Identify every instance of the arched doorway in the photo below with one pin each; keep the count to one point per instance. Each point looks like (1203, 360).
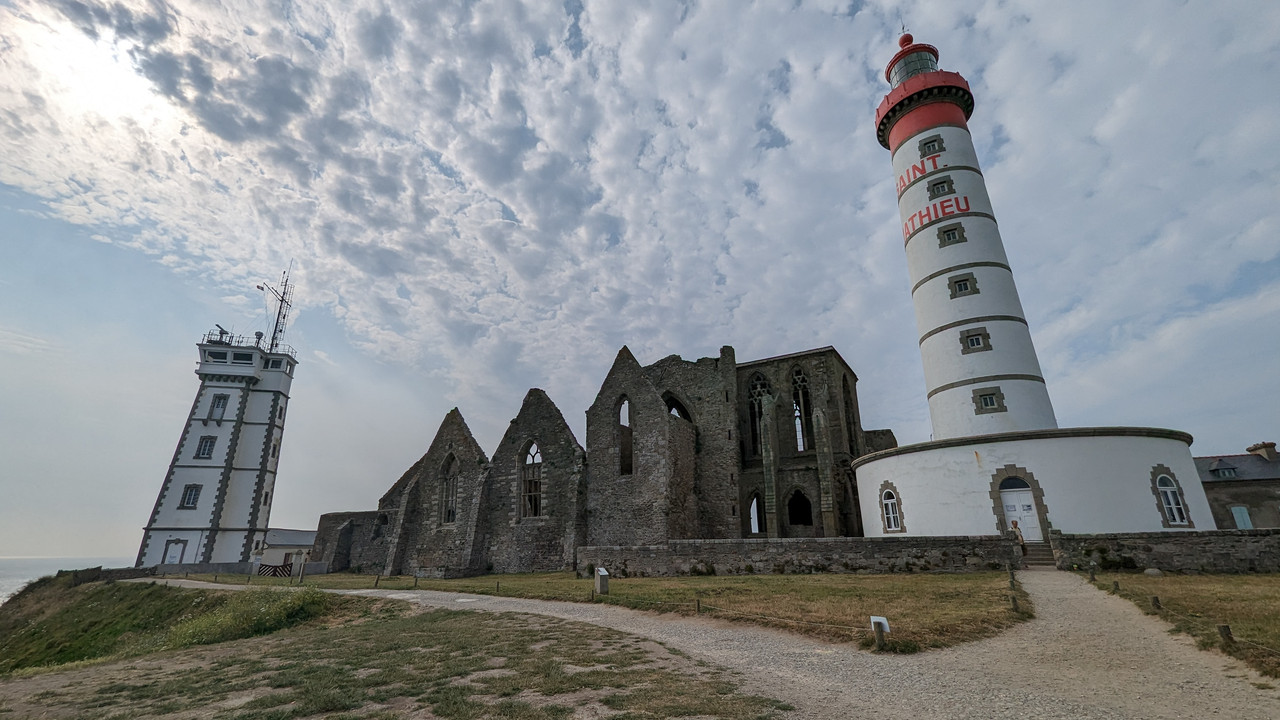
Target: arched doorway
(1019, 504)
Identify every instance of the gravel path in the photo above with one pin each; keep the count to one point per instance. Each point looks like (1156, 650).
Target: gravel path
(1086, 655)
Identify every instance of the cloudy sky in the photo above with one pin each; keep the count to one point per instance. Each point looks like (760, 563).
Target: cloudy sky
(481, 197)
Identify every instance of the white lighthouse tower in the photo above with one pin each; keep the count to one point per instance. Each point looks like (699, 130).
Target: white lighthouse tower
(215, 501)
(979, 364)
(997, 453)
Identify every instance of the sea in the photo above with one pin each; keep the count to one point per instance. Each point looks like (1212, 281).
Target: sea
(16, 572)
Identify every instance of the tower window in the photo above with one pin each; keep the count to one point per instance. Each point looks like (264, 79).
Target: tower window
(1171, 498)
(218, 408)
(988, 400)
(190, 496)
(531, 482)
(204, 449)
(931, 145)
(962, 285)
(952, 234)
(275, 364)
(216, 356)
(941, 186)
(974, 340)
(241, 358)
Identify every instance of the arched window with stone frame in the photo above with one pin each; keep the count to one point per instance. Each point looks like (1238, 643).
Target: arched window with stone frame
(799, 509)
(531, 505)
(759, 524)
(757, 390)
(892, 519)
(1170, 500)
(449, 490)
(801, 410)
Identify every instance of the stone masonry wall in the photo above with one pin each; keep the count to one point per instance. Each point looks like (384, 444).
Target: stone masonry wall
(1209, 551)
(510, 541)
(352, 540)
(801, 555)
(627, 509)
(707, 389)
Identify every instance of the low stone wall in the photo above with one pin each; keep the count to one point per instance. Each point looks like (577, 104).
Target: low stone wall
(99, 574)
(1209, 551)
(223, 568)
(800, 555)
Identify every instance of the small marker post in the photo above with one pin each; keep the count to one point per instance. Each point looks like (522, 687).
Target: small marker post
(1155, 602)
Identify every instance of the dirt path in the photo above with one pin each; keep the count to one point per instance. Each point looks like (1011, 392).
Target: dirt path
(1086, 655)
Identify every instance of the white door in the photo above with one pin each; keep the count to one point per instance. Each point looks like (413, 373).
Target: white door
(1020, 506)
(173, 552)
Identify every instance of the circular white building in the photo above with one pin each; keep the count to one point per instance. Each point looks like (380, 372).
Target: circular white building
(998, 454)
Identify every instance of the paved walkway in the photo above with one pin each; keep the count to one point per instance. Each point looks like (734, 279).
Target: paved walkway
(1086, 655)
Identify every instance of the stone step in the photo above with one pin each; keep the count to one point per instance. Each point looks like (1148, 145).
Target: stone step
(1038, 554)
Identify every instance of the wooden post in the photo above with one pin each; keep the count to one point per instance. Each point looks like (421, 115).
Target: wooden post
(1225, 632)
(697, 605)
(1013, 585)
(1092, 577)
(302, 572)
(1155, 602)
(879, 636)
(215, 577)
(1115, 587)
(248, 579)
(415, 582)
(593, 594)
(377, 578)
(1013, 599)
(497, 586)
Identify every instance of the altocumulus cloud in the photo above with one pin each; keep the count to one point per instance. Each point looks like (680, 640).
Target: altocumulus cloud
(506, 192)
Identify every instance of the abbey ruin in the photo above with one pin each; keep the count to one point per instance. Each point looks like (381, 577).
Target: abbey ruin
(675, 450)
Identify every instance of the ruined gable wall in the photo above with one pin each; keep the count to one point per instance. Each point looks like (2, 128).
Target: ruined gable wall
(627, 509)
(354, 541)
(512, 543)
(433, 546)
(707, 388)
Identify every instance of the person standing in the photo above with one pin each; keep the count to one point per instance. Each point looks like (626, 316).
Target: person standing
(1017, 533)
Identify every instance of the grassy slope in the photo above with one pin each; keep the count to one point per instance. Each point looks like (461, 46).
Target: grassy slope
(1197, 604)
(53, 621)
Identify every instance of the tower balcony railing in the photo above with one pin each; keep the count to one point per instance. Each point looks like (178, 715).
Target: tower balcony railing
(222, 337)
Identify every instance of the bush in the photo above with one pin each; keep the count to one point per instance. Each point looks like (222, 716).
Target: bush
(249, 613)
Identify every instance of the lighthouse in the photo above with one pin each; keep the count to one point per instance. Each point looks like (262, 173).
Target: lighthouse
(215, 501)
(980, 367)
(997, 454)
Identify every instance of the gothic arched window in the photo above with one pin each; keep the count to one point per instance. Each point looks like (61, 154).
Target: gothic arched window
(799, 509)
(449, 490)
(531, 483)
(758, 524)
(625, 447)
(801, 410)
(1172, 500)
(756, 393)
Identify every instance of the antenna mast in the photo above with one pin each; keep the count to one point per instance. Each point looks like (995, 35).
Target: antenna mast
(284, 301)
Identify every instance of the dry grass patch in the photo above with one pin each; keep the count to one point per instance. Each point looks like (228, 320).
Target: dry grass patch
(925, 610)
(1197, 604)
(438, 664)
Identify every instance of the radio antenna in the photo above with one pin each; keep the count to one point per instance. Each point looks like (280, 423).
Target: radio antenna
(284, 301)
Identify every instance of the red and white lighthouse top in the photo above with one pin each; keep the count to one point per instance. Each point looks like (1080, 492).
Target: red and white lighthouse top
(913, 72)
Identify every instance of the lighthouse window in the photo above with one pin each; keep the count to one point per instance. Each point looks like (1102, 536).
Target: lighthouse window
(974, 340)
(941, 186)
(952, 234)
(216, 356)
(1169, 499)
(961, 285)
(891, 515)
(931, 145)
(190, 496)
(988, 400)
(204, 449)
(219, 407)
(241, 358)
(275, 364)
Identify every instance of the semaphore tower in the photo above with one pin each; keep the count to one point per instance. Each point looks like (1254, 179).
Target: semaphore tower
(215, 501)
(980, 367)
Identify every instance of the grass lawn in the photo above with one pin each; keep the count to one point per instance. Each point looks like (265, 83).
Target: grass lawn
(391, 664)
(925, 610)
(1197, 604)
